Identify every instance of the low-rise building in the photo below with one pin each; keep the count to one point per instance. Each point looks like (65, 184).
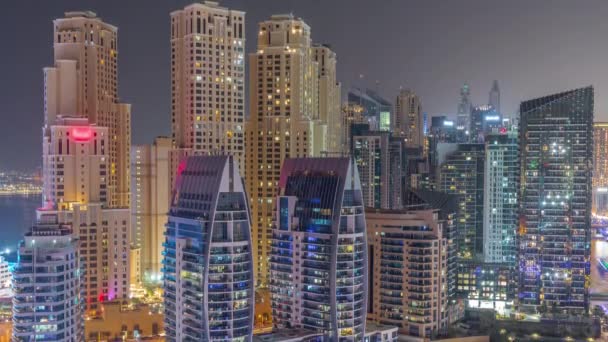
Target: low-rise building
(118, 321)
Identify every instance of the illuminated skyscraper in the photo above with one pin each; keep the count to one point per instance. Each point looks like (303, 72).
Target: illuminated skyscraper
(556, 146)
(380, 160)
(84, 83)
(494, 97)
(408, 121)
(207, 79)
(600, 154)
(500, 218)
(150, 180)
(318, 264)
(284, 121)
(48, 305)
(376, 110)
(208, 271)
(462, 174)
(86, 141)
(463, 115)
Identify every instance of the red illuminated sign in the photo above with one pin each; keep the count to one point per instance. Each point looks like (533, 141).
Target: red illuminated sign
(81, 133)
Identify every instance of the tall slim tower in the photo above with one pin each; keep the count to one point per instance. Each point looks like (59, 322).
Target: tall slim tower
(463, 115)
(408, 122)
(556, 144)
(600, 154)
(284, 119)
(84, 83)
(494, 97)
(329, 96)
(501, 186)
(319, 271)
(150, 168)
(207, 79)
(208, 272)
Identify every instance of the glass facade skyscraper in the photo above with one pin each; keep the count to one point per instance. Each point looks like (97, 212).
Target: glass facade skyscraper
(556, 144)
(318, 263)
(207, 266)
(500, 211)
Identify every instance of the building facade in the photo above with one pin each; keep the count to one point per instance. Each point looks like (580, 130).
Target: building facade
(501, 188)
(284, 120)
(494, 97)
(380, 160)
(376, 110)
(47, 302)
(84, 83)
(408, 120)
(208, 79)
(484, 120)
(600, 155)
(207, 266)
(151, 189)
(462, 174)
(408, 259)
(318, 264)
(556, 145)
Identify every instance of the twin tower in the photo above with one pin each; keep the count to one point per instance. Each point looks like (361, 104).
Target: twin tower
(318, 261)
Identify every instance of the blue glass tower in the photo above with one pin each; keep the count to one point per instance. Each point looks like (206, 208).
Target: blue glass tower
(318, 264)
(207, 267)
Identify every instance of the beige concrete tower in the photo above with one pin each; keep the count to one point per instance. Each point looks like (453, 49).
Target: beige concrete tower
(329, 96)
(207, 79)
(150, 202)
(86, 142)
(283, 121)
(84, 83)
(408, 121)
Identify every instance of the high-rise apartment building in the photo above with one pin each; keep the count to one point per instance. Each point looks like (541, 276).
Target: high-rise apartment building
(556, 146)
(494, 97)
(408, 262)
(380, 160)
(208, 271)
(461, 174)
(501, 188)
(600, 155)
(408, 119)
(208, 79)
(48, 305)
(329, 96)
(284, 120)
(463, 114)
(318, 264)
(84, 83)
(151, 192)
(86, 142)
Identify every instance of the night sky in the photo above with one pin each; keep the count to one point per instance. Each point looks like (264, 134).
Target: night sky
(533, 48)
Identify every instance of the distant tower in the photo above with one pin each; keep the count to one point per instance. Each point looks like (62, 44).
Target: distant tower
(208, 271)
(463, 116)
(408, 121)
(494, 99)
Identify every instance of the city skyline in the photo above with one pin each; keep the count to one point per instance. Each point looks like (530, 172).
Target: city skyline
(477, 60)
(288, 205)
